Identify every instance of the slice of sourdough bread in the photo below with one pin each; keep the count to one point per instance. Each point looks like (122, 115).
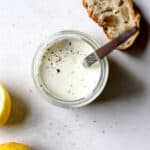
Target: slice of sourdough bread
(115, 16)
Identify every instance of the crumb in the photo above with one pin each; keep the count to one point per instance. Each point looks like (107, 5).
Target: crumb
(73, 144)
(77, 116)
(51, 124)
(65, 126)
(94, 121)
(13, 25)
(58, 133)
(103, 131)
(79, 125)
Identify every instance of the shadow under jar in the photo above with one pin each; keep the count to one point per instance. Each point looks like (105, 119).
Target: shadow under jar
(59, 74)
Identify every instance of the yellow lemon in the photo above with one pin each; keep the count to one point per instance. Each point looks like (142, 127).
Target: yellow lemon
(13, 146)
(5, 105)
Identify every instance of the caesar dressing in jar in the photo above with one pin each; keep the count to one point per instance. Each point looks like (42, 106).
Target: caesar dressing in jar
(59, 74)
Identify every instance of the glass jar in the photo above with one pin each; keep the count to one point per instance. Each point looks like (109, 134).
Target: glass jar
(64, 102)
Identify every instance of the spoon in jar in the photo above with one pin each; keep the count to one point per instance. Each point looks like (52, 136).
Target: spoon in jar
(108, 48)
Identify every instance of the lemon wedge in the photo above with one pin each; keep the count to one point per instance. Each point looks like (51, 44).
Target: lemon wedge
(13, 146)
(5, 105)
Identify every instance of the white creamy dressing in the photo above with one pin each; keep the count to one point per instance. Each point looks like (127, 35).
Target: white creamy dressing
(62, 72)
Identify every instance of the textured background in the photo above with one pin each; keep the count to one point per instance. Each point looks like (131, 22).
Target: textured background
(118, 120)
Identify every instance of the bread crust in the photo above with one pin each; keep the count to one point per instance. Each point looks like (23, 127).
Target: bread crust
(135, 14)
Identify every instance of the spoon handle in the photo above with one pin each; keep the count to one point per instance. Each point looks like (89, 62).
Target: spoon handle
(109, 47)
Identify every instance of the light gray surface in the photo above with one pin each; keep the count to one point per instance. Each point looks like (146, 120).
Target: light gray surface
(120, 121)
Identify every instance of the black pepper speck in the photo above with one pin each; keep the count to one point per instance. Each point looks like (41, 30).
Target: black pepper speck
(58, 70)
(47, 67)
(70, 43)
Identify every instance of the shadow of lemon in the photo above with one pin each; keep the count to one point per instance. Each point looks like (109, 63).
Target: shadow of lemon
(19, 111)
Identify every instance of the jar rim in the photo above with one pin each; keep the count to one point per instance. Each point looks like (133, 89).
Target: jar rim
(102, 79)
